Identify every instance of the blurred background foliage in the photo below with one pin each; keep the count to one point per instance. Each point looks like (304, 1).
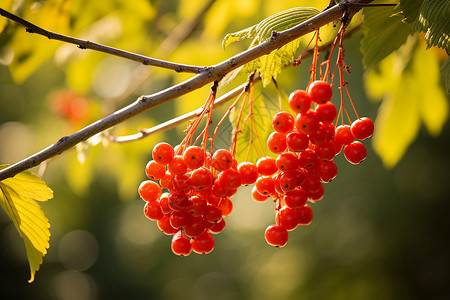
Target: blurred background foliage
(379, 233)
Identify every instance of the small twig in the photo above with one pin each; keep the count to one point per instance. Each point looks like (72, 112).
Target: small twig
(84, 44)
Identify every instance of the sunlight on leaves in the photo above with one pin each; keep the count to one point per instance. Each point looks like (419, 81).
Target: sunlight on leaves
(411, 94)
(17, 198)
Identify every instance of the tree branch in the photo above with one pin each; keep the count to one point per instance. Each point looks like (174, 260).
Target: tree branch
(208, 75)
(84, 44)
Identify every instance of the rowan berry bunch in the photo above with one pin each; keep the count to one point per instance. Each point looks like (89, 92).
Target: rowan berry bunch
(306, 145)
(199, 186)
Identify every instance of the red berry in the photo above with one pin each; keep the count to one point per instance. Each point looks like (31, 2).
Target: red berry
(343, 136)
(177, 165)
(283, 122)
(297, 141)
(287, 181)
(312, 184)
(212, 214)
(248, 172)
(180, 183)
(178, 201)
(307, 122)
(276, 142)
(319, 135)
(165, 227)
(181, 245)
(196, 228)
(229, 179)
(362, 128)
(355, 153)
(326, 150)
(287, 217)
(287, 161)
(316, 195)
(165, 181)
(257, 196)
(221, 160)
(266, 166)
(226, 206)
(265, 185)
(152, 210)
(149, 190)
(296, 198)
(163, 153)
(217, 227)
(326, 112)
(299, 101)
(198, 205)
(276, 235)
(203, 244)
(180, 219)
(164, 203)
(327, 170)
(320, 91)
(194, 157)
(201, 178)
(308, 159)
(155, 171)
(305, 215)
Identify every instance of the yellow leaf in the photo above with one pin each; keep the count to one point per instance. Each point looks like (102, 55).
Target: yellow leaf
(17, 198)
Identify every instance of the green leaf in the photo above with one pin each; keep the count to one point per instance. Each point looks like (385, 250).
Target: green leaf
(411, 95)
(270, 65)
(383, 33)
(17, 198)
(431, 17)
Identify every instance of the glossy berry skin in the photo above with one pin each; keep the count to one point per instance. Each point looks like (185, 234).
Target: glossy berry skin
(194, 157)
(203, 244)
(266, 166)
(296, 198)
(305, 215)
(283, 122)
(276, 142)
(181, 245)
(212, 214)
(299, 101)
(276, 235)
(230, 179)
(196, 228)
(297, 141)
(355, 153)
(287, 162)
(177, 165)
(307, 122)
(327, 170)
(163, 153)
(362, 128)
(265, 185)
(149, 190)
(287, 217)
(287, 181)
(155, 171)
(320, 91)
(226, 206)
(165, 227)
(343, 136)
(152, 210)
(217, 227)
(197, 205)
(249, 173)
(201, 178)
(180, 219)
(326, 112)
(257, 196)
(221, 160)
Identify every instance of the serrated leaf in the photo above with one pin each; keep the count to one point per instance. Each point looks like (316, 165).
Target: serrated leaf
(17, 198)
(431, 17)
(270, 65)
(410, 95)
(383, 33)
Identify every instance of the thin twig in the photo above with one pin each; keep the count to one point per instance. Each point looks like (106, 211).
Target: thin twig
(144, 103)
(84, 44)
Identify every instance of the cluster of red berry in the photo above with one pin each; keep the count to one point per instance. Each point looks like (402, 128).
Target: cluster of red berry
(199, 189)
(305, 145)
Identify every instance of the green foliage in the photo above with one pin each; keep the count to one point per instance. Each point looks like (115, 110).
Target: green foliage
(408, 81)
(17, 197)
(431, 17)
(383, 33)
(270, 65)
